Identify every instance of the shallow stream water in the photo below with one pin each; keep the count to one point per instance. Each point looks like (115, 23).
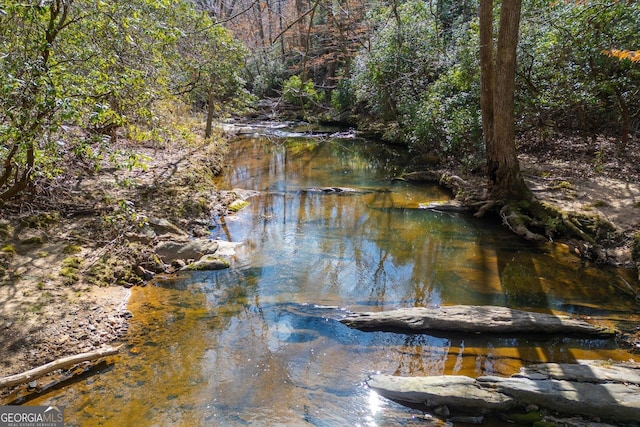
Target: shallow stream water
(260, 344)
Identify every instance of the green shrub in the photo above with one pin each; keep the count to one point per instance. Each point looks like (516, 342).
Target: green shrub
(425, 78)
(342, 96)
(565, 81)
(302, 94)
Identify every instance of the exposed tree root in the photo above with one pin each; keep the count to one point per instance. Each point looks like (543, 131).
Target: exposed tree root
(518, 223)
(484, 207)
(588, 236)
(568, 222)
(532, 219)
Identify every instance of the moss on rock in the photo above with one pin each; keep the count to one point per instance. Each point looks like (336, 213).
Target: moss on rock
(9, 250)
(71, 249)
(41, 220)
(237, 205)
(209, 262)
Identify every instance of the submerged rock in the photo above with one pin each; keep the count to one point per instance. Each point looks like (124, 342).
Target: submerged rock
(336, 190)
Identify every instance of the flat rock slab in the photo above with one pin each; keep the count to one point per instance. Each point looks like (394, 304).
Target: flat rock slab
(585, 371)
(589, 389)
(454, 391)
(472, 319)
(448, 206)
(611, 401)
(336, 190)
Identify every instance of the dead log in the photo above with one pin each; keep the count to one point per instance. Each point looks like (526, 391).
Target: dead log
(61, 363)
(472, 319)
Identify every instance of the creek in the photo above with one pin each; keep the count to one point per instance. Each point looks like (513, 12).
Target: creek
(260, 344)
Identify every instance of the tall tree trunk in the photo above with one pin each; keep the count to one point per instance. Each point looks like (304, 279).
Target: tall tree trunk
(503, 170)
(399, 29)
(280, 28)
(487, 76)
(626, 121)
(257, 11)
(211, 101)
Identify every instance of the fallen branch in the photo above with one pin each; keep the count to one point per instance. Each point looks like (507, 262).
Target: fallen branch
(64, 362)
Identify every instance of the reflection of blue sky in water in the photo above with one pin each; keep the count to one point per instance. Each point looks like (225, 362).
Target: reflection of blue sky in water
(260, 343)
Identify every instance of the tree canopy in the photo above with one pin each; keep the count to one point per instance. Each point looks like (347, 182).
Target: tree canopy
(101, 67)
(415, 64)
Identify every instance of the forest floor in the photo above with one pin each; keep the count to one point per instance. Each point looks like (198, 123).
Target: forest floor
(595, 178)
(52, 305)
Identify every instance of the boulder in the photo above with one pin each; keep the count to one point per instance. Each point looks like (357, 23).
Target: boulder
(31, 236)
(143, 273)
(162, 227)
(208, 263)
(226, 248)
(144, 235)
(237, 205)
(193, 249)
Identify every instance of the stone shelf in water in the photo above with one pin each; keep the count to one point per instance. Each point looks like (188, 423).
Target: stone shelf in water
(472, 319)
(607, 391)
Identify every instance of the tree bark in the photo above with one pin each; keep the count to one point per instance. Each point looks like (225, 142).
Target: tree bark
(626, 122)
(497, 100)
(211, 102)
(64, 362)
(487, 82)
